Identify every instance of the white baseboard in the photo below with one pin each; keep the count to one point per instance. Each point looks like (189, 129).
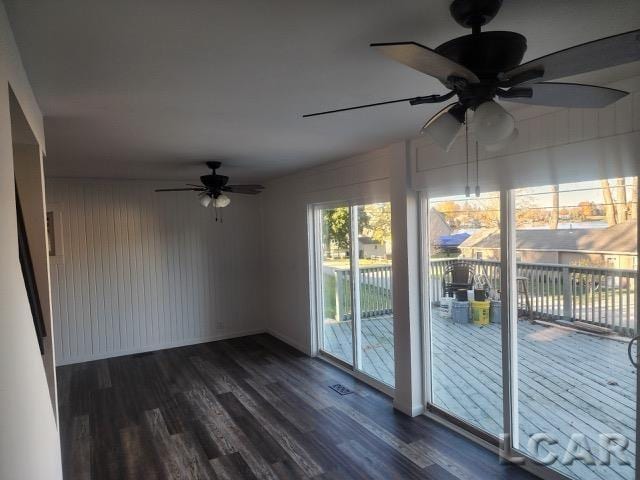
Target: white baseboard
(163, 346)
(289, 341)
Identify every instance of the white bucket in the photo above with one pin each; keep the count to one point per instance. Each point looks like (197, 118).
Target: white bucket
(445, 307)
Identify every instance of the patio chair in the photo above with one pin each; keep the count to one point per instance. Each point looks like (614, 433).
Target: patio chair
(457, 276)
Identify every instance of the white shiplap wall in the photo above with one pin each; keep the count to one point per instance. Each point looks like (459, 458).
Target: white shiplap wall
(142, 271)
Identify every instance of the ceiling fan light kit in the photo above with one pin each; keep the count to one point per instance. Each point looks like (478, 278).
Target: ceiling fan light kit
(482, 66)
(443, 130)
(214, 188)
(221, 201)
(496, 147)
(492, 124)
(205, 200)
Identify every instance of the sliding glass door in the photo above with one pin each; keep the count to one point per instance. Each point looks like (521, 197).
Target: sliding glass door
(545, 368)
(465, 373)
(574, 407)
(353, 250)
(335, 282)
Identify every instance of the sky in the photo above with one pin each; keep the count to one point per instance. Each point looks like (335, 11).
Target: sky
(571, 194)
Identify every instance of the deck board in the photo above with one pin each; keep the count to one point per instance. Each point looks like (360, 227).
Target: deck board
(569, 382)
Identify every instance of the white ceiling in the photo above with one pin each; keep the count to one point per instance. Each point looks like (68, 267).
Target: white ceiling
(152, 88)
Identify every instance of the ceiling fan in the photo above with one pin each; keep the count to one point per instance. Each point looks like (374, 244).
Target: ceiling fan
(214, 188)
(478, 67)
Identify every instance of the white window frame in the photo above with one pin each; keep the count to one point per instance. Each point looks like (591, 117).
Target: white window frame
(314, 221)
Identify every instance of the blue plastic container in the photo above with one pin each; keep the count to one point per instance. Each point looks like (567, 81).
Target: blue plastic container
(460, 312)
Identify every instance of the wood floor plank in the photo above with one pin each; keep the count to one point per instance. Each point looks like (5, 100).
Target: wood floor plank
(249, 408)
(232, 467)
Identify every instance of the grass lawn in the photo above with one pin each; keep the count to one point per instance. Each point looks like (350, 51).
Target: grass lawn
(371, 296)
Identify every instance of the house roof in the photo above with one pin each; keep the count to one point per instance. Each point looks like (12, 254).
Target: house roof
(363, 240)
(438, 225)
(451, 240)
(617, 238)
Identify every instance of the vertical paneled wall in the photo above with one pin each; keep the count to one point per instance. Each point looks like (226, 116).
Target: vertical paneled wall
(138, 270)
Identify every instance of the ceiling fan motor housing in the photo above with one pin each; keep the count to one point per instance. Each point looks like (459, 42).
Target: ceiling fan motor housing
(214, 182)
(486, 54)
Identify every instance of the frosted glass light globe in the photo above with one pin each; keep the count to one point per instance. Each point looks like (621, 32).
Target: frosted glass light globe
(496, 147)
(221, 201)
(205, 200)
(443, 130)
(492, 124)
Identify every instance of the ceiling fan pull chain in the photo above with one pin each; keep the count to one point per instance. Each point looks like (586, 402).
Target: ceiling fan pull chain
(477, 172)
(467, 189)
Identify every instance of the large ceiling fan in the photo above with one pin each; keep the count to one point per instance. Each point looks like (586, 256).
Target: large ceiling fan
(478, 67)
(214, 188)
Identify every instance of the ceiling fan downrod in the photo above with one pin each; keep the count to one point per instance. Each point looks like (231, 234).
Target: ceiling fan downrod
(474, 14)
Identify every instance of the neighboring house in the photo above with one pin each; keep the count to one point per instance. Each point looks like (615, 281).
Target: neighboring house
(612, 247)
(438, 226)
(370, 248)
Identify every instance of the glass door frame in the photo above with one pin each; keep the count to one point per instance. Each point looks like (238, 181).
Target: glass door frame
(503, 446)
(317, 291)
(431, 409)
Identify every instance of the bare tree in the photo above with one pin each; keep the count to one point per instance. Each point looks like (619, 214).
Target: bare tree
(621, 200)
(555, 208)
(634, 199)
(609, 207)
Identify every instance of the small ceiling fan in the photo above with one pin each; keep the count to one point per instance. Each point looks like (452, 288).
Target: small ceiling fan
(478, 67)
(214, 188)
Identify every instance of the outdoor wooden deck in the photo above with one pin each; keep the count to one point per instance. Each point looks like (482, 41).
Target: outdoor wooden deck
(570, 383)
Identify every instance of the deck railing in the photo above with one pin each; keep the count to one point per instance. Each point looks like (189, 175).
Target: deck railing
(599, 296)
(375, 291)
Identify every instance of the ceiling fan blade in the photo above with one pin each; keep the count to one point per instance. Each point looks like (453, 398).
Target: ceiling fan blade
(569, 95)
(244, 192)
(180, 189)
(425, 60)
(358, 107)
(595, 55)
(412, 101)
(252, 187)
(240, 189)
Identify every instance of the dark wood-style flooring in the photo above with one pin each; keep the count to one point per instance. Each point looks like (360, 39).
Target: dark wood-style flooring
(248, 408)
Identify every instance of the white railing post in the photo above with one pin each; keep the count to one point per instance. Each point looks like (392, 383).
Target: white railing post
(337, 274)
(566, 294)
